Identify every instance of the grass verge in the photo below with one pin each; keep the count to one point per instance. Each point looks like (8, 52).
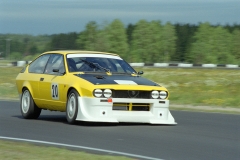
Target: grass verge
(7, 82)
(198, 87)
(209, 110)
(18, 150)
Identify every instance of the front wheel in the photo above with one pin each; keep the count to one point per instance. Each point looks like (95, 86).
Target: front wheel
(72, 106)
(28, 108)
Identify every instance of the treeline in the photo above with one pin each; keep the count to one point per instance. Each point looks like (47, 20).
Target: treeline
(22, 46)
(145, 41)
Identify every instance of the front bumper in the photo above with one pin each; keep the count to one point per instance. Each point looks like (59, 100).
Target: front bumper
(100, 110)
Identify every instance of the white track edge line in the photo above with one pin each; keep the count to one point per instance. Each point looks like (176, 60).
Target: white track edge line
(80, 147)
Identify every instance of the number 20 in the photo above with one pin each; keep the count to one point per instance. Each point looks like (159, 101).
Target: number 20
(54, 91)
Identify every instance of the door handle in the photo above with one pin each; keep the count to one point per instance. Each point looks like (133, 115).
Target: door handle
(41, 79)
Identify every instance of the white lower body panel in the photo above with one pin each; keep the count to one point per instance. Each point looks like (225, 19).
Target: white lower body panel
(93, 110)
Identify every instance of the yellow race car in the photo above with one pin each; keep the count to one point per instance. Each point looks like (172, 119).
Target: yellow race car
(91, 86)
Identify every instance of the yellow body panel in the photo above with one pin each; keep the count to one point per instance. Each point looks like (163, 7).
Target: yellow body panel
(50, 91)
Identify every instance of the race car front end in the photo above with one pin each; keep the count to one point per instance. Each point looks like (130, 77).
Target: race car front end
(137, 106)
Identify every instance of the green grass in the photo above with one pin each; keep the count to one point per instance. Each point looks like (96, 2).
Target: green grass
(211, 87)
(5, 62)
(18, 150)
(7, 82)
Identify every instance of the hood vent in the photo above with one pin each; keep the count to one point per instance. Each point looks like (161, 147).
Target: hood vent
(99, 77)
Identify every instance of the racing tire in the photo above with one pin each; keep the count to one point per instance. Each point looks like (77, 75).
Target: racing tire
(72, 106)
(28, 108)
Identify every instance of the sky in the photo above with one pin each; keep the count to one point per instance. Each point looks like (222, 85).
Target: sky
(39, 17)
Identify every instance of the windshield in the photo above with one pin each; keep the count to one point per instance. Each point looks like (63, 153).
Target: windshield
(98, 63)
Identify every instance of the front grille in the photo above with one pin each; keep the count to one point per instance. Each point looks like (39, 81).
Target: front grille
(131, 94)
(131, 106)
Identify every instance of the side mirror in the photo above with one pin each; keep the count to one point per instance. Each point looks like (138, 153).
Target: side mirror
(140, 72)
(57, 71)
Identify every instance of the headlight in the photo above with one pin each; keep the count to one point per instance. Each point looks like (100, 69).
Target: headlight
(155, 94)
(107, 93)
(97, 92)
(163, 94)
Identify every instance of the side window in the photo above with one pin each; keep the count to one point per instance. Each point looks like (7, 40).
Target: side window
(39, 64)
(55, 62)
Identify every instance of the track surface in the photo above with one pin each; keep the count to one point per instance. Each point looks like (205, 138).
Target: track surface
(197, 135)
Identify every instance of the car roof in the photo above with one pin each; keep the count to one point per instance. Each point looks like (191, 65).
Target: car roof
(64, 52)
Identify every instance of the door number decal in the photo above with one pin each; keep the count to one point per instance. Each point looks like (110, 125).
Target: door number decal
(54, 91)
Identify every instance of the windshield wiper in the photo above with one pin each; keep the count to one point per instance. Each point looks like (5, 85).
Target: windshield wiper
(95, 65)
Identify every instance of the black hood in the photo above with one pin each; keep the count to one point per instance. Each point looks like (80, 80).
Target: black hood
(113, 79)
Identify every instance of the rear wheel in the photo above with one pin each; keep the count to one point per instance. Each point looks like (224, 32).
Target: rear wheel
(72, 106)
(28, 108)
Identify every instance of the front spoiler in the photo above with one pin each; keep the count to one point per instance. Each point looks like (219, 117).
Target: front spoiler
(93, 110)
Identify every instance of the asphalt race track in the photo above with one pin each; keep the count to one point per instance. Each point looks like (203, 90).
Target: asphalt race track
(197, 135)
